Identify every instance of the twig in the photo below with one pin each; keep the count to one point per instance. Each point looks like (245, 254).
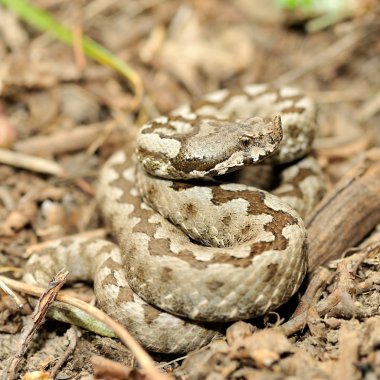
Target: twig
(63, 141)
(321, 59)
(142, 357)
(38, 318)
(109, 369)
(340, 300)
(80, 58)
(32, 163)
(338, 96)
(370, 108)
(12, 295)
(299, 318)
(369, 249)
(10, 269)
(343, 146)
(72, 336)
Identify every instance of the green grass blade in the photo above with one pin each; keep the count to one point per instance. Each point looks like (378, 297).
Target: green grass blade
(44, 22)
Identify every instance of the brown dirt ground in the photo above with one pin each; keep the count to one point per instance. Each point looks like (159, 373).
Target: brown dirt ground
(181, 50)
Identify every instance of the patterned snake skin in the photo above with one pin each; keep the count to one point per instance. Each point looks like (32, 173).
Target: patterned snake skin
(202, 251)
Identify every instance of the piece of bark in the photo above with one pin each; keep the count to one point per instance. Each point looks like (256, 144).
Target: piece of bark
(347, 214)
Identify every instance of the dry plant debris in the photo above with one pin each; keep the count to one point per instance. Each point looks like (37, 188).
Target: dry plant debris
(34, 324)
(341, 339)
(353, 208)
(61, 115)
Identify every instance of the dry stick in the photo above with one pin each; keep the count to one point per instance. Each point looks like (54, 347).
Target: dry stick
(299, 318)
(317, 281)
(38, 318)
(338, 148)
(346, 268)
(13, 296)
(142, 357)
(109, 369)
(343, 287)
(61, 142)
(340, 221)
(72, 336)
(32, 163)
(370, 108)
(347, 214)
(321, 59)
(339, 96)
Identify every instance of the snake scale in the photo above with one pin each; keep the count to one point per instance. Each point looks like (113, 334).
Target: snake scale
(193, 251)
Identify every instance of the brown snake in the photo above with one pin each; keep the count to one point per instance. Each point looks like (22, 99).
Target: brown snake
(199, 250)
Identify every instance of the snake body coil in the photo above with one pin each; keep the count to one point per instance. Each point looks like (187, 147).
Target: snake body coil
(197, 249)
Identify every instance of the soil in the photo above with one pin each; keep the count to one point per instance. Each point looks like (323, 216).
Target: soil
(62, 106)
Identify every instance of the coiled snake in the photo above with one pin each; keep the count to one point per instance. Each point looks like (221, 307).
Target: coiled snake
(199, 250)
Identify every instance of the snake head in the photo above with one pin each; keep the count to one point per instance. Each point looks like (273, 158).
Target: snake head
(206, 146)
(259, 137)
(225, 146)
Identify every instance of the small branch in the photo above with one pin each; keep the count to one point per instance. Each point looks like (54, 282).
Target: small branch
(340, 300)
(343, 147)
(142, 357)
(109, 369)
(72, 336)
(38, 318)
(370, 108)
(299, 319)
(13, 296)
(61, 142)
(322, 58)
(32, 163)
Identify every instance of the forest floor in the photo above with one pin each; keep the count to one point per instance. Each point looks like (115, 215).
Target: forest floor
(59, 105)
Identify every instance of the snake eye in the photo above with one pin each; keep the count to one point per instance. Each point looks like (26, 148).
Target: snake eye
(246, 141)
